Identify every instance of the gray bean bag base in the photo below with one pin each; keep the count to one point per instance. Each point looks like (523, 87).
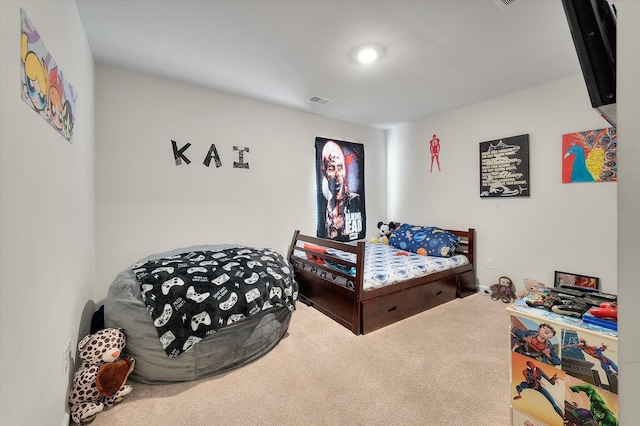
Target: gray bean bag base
(233, 346)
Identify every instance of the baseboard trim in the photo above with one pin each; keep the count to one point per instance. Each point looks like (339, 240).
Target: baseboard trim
(484, 289)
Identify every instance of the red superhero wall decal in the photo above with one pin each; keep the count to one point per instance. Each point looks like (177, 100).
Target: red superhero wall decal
(434, 149)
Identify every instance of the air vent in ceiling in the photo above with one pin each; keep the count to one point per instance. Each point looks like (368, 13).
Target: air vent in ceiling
(319, 100)
(503, 4)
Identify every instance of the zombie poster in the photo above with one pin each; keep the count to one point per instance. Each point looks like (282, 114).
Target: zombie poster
(340, 190)
(44, 87)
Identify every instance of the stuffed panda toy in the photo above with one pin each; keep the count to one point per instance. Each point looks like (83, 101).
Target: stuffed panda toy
(101, 380)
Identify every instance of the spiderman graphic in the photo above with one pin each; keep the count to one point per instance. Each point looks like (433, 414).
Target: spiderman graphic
(533, 380)
(609, 367)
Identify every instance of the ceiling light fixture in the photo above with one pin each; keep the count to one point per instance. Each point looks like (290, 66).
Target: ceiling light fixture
(368, 54)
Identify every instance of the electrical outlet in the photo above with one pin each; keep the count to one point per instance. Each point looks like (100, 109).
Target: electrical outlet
(67, 356)
(489, 263)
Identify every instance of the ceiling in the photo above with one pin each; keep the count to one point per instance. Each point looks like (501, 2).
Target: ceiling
(439, 54)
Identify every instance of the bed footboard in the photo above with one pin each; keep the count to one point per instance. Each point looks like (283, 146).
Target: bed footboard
(339, 303)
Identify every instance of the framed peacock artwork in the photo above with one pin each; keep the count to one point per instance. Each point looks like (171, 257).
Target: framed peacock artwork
(590, 156)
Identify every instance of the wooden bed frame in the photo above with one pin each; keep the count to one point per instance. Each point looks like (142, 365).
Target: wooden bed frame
(365, 311)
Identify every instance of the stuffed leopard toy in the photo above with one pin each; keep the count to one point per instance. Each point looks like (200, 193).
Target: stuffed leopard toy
(100, 381)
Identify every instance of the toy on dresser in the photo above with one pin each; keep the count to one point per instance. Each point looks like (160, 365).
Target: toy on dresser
(591, 305)
(532, 287)
(101, 380)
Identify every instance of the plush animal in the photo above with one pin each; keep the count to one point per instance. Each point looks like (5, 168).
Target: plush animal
(504, 290)
(101, 380)
(530, 287)
(384, 230)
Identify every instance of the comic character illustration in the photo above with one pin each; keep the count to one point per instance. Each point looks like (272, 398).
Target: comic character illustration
(35, 85)
(44, 87)
(434, 148)
(593, 362)
(582, 416)
(598, 409)
(533, 376)
(609, 367)
(537, 344)
(67, 120)
(55, 109)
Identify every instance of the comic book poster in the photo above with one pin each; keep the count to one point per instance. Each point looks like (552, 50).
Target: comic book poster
(43, 85)
(591, 359)
(590, 156)
(340, 190)
(537, 389)
(586, 404)
(535, 339)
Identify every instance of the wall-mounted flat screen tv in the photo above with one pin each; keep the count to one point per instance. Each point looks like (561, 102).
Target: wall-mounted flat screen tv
(593, 28)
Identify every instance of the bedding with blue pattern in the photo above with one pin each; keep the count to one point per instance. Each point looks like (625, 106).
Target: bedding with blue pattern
(425, 240)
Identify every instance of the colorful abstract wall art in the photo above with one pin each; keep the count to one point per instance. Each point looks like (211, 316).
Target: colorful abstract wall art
(44, 87)
(590, 156)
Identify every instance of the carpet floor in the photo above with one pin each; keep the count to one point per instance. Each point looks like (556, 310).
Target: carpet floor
(446, 366)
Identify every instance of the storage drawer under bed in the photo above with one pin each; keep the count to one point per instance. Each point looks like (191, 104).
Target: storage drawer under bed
(385, 310)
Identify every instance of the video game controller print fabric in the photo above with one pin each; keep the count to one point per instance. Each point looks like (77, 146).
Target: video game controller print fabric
(192, 295)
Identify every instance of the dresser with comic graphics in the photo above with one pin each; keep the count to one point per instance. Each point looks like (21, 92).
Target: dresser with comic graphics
(563, 371)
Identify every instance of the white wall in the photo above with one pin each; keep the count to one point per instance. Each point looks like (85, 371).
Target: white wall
(146, 204)
(565, 227)
(47, 213)
(628, 98)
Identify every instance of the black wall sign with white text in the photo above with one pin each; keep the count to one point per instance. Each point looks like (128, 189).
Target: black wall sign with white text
(504, 167)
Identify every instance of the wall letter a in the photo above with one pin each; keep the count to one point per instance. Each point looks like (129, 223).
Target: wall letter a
(213, 153)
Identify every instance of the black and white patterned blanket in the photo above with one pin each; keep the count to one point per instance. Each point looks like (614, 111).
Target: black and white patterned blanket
(192, 295)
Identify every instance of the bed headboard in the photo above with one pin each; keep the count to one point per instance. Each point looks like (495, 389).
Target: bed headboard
(467, 242)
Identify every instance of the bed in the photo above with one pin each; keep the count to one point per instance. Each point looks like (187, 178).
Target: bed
(333, 279)
(203, 310)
